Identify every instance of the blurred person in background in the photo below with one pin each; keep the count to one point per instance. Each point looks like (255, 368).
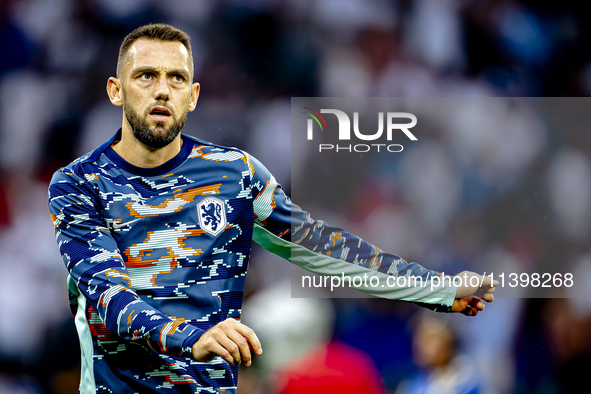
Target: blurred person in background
(155, 230)
(443, 369)
(303, 357)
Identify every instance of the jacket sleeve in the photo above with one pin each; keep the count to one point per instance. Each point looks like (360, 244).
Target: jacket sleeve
(283, 228)
(97, 269)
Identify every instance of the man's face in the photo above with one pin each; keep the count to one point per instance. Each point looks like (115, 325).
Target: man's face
(156, 91)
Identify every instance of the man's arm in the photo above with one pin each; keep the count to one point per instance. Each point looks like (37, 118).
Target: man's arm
(96, 267)
(286, 230)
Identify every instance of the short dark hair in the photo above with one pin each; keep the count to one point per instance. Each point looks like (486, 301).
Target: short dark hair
(156, 32)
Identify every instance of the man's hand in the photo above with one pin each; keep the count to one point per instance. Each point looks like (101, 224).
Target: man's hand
(469, 298)
(231, 340)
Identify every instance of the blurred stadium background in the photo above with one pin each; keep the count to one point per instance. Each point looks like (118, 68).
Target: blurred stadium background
(250, 58)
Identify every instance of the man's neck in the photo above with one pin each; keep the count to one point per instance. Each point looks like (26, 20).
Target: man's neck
(139, 155)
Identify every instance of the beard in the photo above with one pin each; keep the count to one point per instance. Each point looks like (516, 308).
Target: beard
(158, 136)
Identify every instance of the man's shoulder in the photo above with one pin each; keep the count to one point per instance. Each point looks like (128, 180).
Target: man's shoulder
(215, 152)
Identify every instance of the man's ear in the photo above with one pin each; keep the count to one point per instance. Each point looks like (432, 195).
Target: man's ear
(195, 88)
(114, 91)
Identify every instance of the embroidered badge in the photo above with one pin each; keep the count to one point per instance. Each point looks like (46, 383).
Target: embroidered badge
(212, 215)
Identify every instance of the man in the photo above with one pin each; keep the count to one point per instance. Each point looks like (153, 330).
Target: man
(155, 229)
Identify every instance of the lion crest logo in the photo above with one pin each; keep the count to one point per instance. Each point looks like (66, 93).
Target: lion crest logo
(212, 215)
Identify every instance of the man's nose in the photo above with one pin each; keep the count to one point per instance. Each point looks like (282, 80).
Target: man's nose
(162, 91)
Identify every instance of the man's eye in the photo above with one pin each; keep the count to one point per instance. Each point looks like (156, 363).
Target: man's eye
(146, 76)
(178, 78)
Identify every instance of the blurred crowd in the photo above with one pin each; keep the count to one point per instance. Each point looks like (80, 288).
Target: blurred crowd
(514, 191)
